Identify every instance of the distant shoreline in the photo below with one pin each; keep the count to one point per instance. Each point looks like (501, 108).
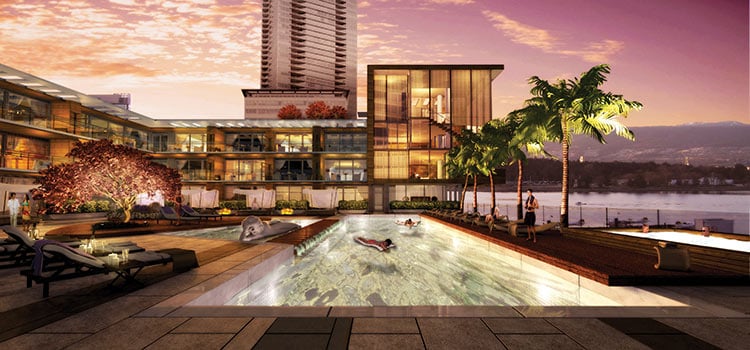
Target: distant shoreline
(662, 189)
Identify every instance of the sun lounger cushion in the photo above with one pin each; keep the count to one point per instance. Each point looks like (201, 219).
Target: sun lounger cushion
(70, 253)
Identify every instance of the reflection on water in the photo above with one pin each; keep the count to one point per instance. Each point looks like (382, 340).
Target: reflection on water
(431, 265)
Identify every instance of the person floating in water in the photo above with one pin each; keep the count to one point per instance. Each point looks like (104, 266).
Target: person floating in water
(379, 245)
(408, 222)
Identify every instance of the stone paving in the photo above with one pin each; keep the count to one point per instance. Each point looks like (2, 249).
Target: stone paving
(158, 316)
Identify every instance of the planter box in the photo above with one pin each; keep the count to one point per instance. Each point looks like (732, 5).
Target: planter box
(76, 216)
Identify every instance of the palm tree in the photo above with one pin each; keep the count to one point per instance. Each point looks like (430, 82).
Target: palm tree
(575, 106)
(464, 159)
(455, 168)
(524, 141)
(495, 138)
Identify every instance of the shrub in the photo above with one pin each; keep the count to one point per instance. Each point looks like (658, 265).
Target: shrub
(424, 205)
(233, 205)
(293, 204)
(337, 112)
(317, 110)
(290, 112)
(353, 205)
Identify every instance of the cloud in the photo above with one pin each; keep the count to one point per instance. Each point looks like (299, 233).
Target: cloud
(542, 39)
(451, 2)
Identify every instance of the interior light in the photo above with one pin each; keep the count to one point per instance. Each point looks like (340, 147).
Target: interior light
(10, 77)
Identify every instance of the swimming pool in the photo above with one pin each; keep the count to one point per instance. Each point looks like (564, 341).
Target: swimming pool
(431, 265)
(689, 238)
(229, 232)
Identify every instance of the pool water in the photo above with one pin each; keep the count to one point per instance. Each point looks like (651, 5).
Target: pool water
(431, 265)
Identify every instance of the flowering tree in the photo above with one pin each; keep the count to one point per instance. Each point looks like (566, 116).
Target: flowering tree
(290, 112)
(317, 110)
(103, 169)
(337, 112)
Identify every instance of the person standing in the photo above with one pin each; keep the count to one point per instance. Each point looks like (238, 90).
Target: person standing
(530, 219)
(13, 207)
(26, 213)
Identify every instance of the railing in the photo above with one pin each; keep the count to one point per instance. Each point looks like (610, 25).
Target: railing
(586, 216)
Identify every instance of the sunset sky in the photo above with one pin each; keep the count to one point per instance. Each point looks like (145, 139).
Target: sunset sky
(685, 60)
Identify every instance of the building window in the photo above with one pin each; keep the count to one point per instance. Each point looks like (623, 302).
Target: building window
(391, 165)
(245, 170)
(292, 169)
(346, 142)
(194, 169)
(293, 142)
(25, 153)
(287, 193)
(27, 110)
(190, 142)
(253, 142)
(345, 170)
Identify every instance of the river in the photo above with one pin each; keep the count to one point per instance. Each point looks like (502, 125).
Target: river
(598, 208)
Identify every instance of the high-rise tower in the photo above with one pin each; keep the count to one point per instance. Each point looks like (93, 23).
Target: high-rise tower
(310, 45)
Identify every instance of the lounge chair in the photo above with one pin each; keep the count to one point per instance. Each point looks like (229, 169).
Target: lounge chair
(54, 261)
(169, 214)
(518, 229)
(189, 211)
(18, 249)
(483, 221)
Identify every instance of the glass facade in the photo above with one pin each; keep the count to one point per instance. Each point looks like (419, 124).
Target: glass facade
(24, 153)
(346, 142)
(245, 170)
(24, 109)
(417, 110)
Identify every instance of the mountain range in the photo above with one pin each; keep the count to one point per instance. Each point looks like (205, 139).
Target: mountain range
(705, 144)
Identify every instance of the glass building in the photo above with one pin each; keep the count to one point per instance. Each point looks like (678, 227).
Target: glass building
(414, 113)
(310, 45)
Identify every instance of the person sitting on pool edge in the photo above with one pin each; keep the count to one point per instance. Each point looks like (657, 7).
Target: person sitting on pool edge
(379, 245)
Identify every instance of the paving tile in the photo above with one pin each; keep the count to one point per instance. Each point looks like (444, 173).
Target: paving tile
(385, 325)
(302, 325)
(99, 317)
(385, 342)
(292, 342)
(538, 341)
(46, 341)
(342, 328)
(250, 335)
(639, 326)
(520, 325)
(674, 341)
(132, 333)
(173, 285)
(169, 305)
(724, 333)
(455, 333)
(253, 311)
(191, 341)
(594, 334)
(212, 325)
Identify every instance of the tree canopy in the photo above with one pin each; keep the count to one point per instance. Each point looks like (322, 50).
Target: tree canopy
(104, 169)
